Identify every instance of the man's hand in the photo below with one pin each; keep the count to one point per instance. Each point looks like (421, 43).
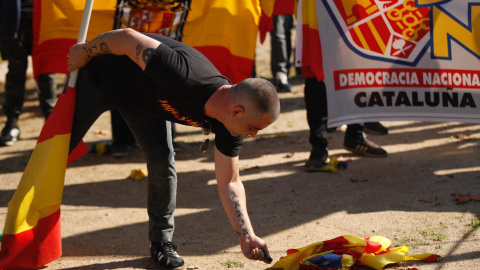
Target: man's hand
(254, 248)
(77, 57)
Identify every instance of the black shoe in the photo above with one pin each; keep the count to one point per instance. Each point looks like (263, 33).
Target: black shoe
(121, 150)
(317, 160)
(281, 82)
(364, 146)
(375, 128)
(9, 135)
(165, 255)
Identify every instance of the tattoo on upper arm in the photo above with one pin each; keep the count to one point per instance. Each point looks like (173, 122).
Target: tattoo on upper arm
(138, 49)
(147, 54)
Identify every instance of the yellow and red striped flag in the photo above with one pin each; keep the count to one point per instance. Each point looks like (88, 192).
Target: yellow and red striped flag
(31, 236)
(226, 33)
(312, 65)
(271, 8)
(55, 30)
(345, 251)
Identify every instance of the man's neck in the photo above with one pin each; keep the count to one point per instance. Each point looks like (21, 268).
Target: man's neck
(217, 104)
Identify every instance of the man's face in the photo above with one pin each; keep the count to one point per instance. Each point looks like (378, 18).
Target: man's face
(246, 124)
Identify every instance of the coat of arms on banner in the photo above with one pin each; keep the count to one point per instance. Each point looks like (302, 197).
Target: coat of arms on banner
(386, 30)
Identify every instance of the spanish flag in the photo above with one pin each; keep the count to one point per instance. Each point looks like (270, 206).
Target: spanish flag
(271, 8)
(312, 65)
(31, 236)
(345, 251)
(55, 30)
(226, 33)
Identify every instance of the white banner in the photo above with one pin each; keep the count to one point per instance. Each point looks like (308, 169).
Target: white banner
(401, 60)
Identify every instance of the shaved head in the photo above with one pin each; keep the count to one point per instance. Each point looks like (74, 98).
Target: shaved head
(258, 94)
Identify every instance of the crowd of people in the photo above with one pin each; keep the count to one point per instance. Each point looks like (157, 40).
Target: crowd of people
(198, 95)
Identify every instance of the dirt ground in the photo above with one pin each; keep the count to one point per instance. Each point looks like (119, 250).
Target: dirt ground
(406, 197)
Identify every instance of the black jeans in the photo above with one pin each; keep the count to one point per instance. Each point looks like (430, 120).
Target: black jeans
(317, 115)
(16, 51)
(281, 43)
(155, 139)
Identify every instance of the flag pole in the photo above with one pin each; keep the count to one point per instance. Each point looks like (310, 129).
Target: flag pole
(82, 35)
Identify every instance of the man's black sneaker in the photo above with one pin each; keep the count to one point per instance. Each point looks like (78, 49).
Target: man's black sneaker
(364, 146)
(165, 255)
(317, 160)
(375, 128)
(9, 135)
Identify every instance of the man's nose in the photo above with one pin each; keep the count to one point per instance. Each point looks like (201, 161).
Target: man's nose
(253, 133)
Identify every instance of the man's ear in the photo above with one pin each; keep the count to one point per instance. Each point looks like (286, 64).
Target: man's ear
(238, 110)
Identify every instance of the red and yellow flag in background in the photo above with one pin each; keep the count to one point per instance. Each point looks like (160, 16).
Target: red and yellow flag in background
(55, 29)
(226, 33)
(312, 65)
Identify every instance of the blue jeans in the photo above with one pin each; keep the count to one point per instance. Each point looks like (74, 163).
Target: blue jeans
(155, 140)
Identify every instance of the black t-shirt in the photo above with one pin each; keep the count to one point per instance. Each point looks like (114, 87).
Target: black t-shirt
(177, 82)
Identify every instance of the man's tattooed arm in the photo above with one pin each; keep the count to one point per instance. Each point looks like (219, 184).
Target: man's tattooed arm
(138, 47)
(92, 49)
(241, 221)
(147, 54)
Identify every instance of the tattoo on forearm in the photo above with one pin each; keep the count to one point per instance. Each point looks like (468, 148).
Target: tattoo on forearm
(104, 48)
(85, 49)
(236, 204)
(138, 49)
(92, 51)
(147, 54)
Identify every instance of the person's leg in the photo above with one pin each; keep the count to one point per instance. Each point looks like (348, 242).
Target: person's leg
(123, 139)
(16, 51)
(90, 103)
(47, 93)
(279, 55)
(317, 116)
(288, 25)
(155, 139)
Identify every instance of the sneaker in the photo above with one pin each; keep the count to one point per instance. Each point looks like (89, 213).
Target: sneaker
(9, 135)
(317, 160)
(364, 146)
(281, 82)
(121, 150)
(375, 128)
(165, 255)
